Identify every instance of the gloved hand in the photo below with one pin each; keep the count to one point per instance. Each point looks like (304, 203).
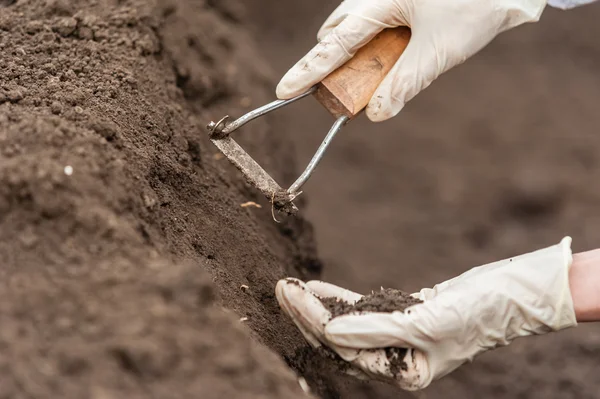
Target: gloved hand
(486, 307)
(444, 34)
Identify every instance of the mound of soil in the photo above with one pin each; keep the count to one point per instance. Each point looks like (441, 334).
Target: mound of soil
(136, 330)
(115, 207)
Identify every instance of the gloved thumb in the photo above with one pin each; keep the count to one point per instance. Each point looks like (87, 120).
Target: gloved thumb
(414, 71)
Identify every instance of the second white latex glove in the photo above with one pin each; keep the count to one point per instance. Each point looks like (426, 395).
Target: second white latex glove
(444, 34)
(486, 307)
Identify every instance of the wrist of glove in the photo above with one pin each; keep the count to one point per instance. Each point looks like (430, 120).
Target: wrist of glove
(444, 34)
(486, 307)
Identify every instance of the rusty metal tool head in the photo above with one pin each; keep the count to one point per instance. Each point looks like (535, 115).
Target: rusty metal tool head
(344, 93)
(282, 199)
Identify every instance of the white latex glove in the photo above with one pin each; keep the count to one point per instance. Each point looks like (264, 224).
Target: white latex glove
(486, 307)
(444, 34)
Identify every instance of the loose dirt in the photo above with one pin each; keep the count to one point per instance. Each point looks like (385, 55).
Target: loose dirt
(122, 233)
(383, 301)
(139, 330)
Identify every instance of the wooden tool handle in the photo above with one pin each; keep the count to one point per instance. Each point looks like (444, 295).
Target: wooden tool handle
(348, 90)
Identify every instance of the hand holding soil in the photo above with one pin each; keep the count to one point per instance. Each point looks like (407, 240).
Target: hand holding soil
(314, 304)
(412, 340)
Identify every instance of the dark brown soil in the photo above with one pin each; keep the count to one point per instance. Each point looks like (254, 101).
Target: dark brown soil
(337, 307)
(384, 301)
(138, 330)
(122, 233)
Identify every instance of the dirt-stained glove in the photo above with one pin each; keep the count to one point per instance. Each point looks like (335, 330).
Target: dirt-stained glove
(486, 307)
(444, 34)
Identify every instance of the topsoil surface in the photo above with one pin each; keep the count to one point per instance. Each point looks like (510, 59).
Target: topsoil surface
(122, 235)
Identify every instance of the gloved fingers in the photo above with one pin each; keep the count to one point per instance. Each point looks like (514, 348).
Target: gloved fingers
(288, 298)
(402, 367)
(397, 366)
(427, 294)
(327, 290)
(374, 330)
(337, 16)
(309, 314)
(412, 372)
(416, 69)
(330, 53)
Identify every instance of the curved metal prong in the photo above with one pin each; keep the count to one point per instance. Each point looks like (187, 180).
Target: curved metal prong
(337, 126)
(215, 129)
(223, 128)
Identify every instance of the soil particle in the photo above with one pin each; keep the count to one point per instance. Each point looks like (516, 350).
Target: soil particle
(65, 26)
(396, 358)
(56, 107)
(105, 128)
(281, 202)
(336, 306)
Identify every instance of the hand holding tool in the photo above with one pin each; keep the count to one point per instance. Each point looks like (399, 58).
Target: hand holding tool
(444, 35)
(344, 93)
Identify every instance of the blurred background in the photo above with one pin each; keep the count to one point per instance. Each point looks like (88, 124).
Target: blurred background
(498, 157)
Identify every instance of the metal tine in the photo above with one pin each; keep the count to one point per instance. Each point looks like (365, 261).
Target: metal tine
(256, 175)
(223, 128)
(282, 199)
(337, 126)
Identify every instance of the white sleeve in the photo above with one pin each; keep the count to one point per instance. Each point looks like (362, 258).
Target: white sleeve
(568, 4)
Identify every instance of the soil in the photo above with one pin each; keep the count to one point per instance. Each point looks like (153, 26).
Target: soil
(142, 330)
(386, 300)
(129, 266)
